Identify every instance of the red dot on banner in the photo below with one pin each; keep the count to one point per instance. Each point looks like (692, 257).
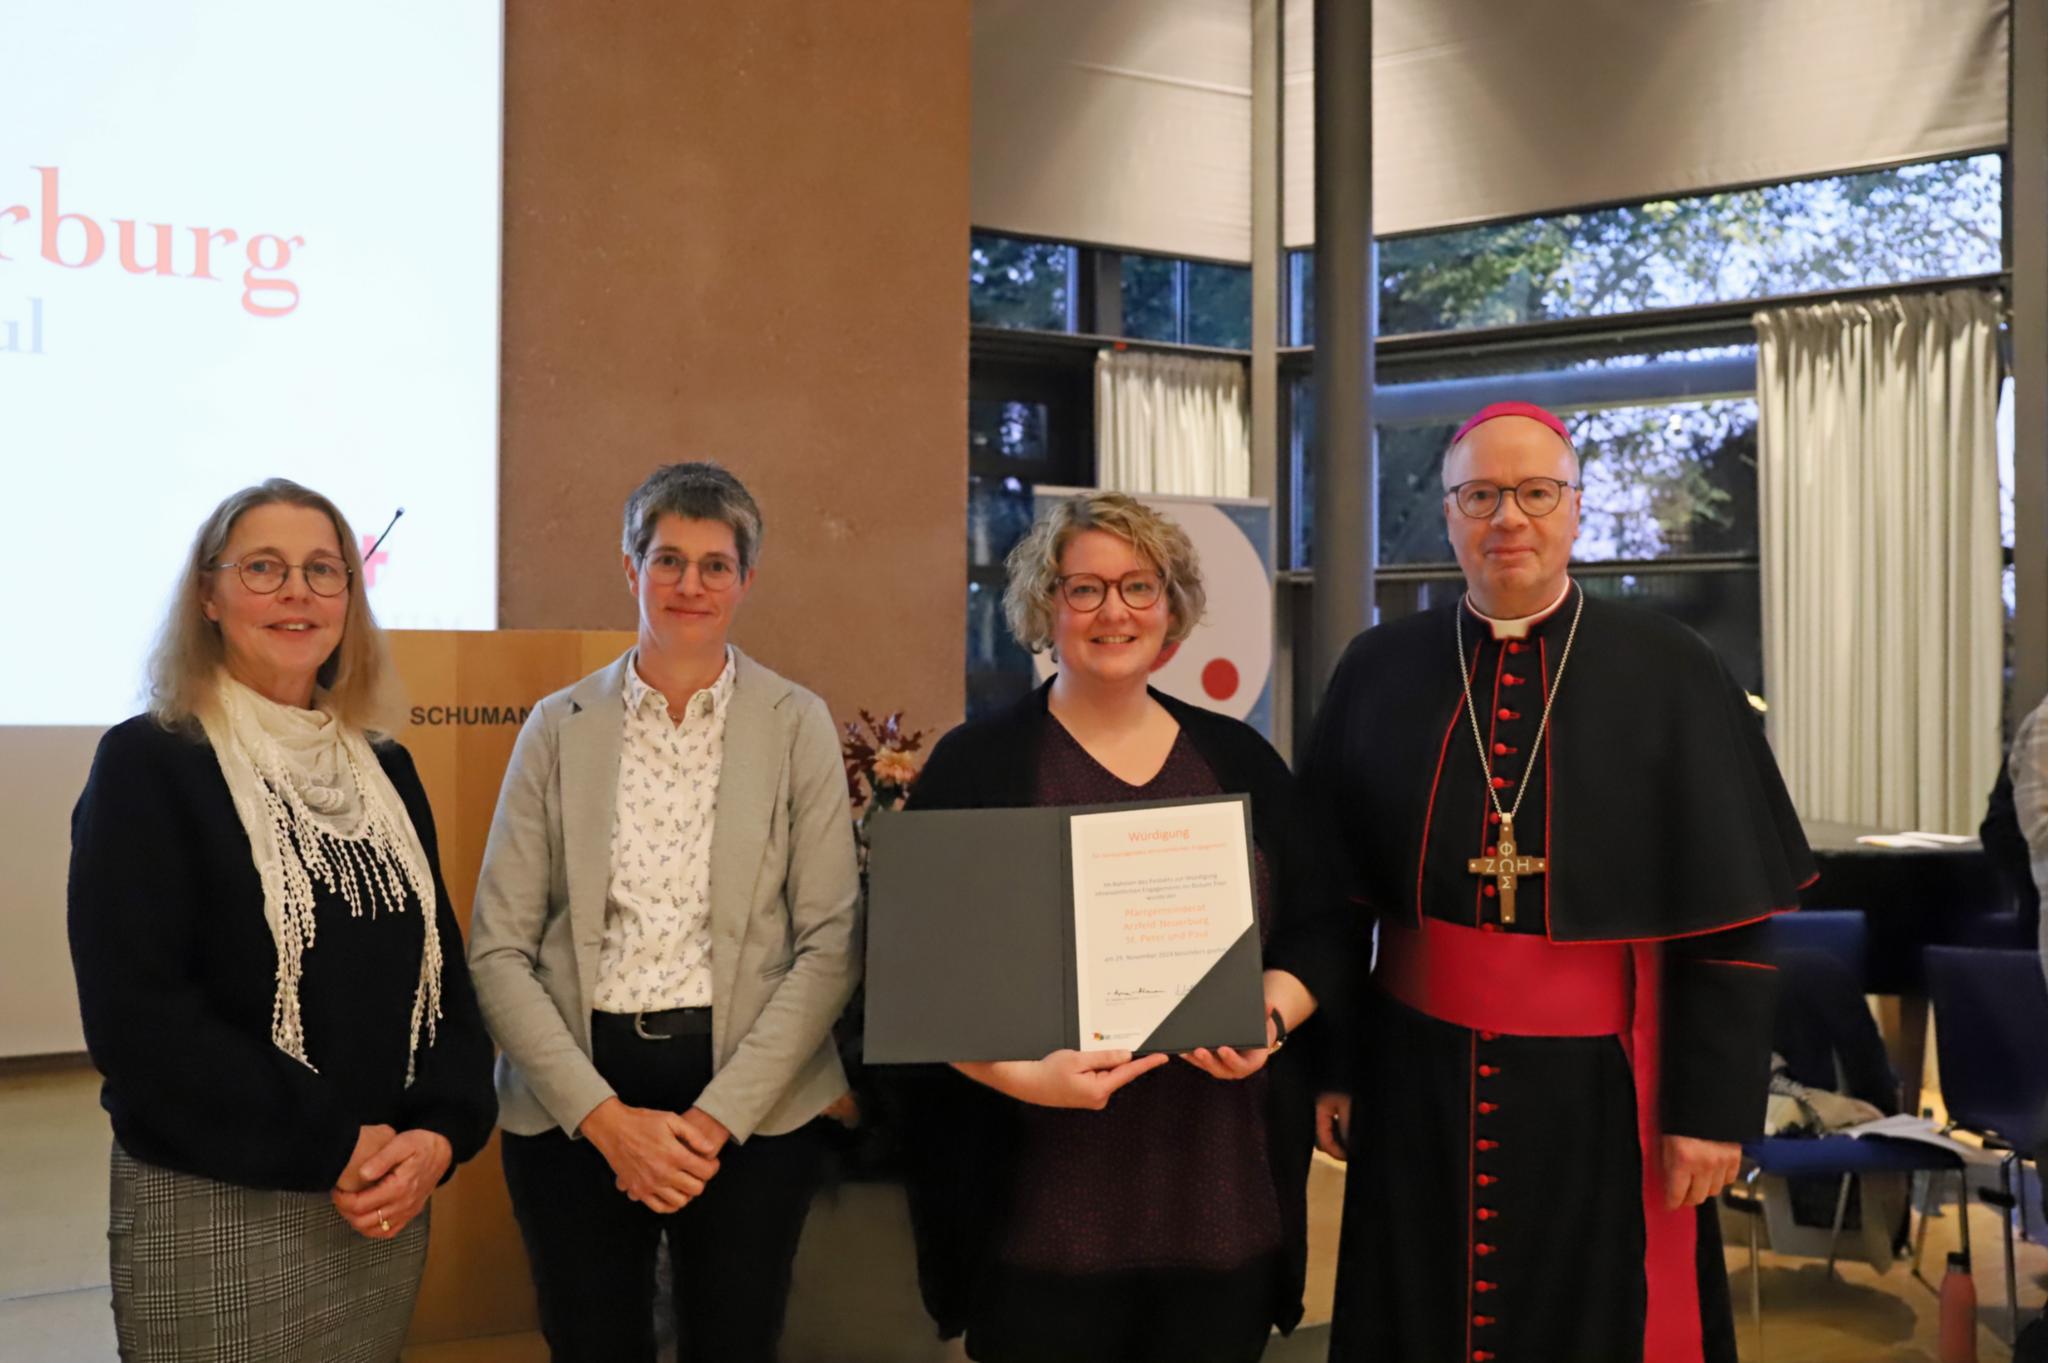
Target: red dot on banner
(1219, 679)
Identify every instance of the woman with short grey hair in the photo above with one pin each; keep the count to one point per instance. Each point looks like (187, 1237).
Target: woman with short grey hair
(269, 970)
(665, 931)
(701, 491)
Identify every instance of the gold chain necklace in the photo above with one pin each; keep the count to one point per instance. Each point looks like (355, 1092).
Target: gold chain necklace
(1506, 865)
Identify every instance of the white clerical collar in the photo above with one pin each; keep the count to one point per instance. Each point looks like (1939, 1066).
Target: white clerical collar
(1519, 627)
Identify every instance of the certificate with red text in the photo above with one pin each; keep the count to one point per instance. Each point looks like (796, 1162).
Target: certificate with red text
(1005, 934)
(1162, 895)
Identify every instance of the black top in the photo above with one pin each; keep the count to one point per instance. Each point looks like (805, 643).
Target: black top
(177, 976)
(1654, 798)
(963, 1136)
(1173, 1172)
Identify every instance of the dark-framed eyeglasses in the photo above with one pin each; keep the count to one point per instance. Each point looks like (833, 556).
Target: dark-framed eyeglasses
(715, 572)
(266, 574)
(1480, 499)
(1085, 592)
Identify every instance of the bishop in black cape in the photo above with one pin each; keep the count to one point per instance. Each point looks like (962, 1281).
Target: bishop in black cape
(1496, 1205)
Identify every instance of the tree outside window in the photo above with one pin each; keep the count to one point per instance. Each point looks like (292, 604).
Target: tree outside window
(1013, 282)
(1935, 220)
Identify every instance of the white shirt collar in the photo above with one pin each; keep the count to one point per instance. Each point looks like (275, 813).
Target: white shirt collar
(711, 700)
(1519, 627)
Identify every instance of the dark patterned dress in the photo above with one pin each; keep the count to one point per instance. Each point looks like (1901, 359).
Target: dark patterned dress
(1149, 1229)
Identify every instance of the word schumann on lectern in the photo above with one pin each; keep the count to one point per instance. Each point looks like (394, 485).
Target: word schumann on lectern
(435, 716)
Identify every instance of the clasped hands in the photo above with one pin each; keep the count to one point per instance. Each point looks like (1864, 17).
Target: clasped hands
(389, 1177)
(662, 1160)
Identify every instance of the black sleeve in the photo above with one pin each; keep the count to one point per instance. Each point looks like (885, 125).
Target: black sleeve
(1720, 993)
(214, 1099)
(947, 780)
(1347, 919)
(451, 1092)
(956, 1135)
(1313, 936)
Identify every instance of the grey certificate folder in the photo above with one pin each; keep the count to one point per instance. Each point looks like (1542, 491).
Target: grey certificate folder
(971, 943)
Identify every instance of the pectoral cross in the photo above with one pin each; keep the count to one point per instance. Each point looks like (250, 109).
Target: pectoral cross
(1506, 867)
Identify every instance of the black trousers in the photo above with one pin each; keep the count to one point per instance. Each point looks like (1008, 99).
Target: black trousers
(593, 1249)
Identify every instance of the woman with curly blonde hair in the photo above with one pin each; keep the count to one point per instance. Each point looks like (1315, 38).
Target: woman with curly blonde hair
(1093, 1205)
(269, 971)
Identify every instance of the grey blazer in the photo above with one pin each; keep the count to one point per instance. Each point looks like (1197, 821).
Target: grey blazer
(785, 898)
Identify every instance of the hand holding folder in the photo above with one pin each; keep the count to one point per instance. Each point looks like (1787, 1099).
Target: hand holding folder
(1077, 1079)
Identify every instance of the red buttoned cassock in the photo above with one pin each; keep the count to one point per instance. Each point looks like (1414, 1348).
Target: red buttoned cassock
(1511, 1080)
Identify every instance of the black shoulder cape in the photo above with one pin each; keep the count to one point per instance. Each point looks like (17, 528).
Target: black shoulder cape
(1667, 815)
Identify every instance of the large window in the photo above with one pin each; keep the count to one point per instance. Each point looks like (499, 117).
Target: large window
(1031, 397)
(1669, 514)
(1052, 286)
(1186, 301)
(1663, 411)
(1017, 282)
(1935, 220)
(1668, 443)
(1027, 424)
(1661, 480)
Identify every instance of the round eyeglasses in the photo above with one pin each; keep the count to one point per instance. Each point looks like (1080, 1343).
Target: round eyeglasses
(266, 574)
(1480, 499)
(1086, 592)
(715, 572)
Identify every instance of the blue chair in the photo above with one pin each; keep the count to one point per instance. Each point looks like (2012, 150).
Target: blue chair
(1840, 933)
(1822, 952)
(1822, 1027)
(1839, 1157)
(1990, 1019)
(2005, 931)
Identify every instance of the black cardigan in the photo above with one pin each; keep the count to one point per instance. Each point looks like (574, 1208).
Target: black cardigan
(962, 1135)
(177, 973)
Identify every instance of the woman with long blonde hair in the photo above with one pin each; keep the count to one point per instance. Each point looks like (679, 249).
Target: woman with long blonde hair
(269, 971)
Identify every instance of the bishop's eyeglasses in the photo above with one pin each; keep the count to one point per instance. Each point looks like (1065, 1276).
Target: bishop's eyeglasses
(1480, 499)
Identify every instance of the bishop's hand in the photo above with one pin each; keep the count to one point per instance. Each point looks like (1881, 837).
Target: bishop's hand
(1333, 1125)
(1695, 1170)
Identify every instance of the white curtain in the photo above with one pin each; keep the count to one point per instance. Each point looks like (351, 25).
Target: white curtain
(1883, 616)
(1171, 423)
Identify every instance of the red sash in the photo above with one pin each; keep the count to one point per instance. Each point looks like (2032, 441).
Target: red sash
(1519, 984)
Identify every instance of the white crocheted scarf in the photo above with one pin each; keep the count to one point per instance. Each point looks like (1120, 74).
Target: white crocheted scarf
(318, 807)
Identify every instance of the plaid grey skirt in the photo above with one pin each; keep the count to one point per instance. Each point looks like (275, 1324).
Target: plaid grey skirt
(213, 1271)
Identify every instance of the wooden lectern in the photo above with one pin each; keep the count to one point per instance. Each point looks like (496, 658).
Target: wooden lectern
(469, 692)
